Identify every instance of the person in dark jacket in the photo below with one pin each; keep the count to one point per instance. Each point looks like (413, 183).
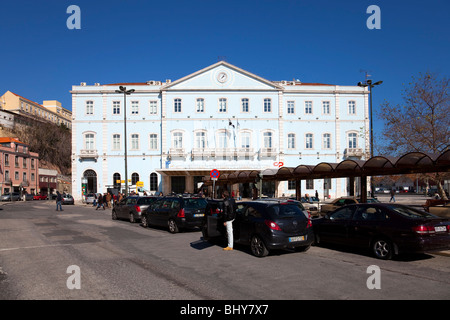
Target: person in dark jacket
(100, 202)
(229, 206)
(58, 201)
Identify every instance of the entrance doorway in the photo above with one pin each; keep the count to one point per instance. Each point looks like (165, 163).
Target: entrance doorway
(91, 177)
(178, 184)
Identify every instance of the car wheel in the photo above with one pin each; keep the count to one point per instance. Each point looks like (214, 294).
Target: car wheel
(173, 228)
(114, 215)
(132, 220)
(383, 249)
(144, 222)
(258, 247)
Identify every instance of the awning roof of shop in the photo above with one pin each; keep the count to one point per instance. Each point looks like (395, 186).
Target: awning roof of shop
(412, 162)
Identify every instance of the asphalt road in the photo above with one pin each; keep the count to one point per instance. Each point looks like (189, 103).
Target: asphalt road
(119, 260)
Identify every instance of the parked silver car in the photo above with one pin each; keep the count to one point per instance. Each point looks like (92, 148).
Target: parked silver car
(7, 196)
(67, 199)
(89, 198)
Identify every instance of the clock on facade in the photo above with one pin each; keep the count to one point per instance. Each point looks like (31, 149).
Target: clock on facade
(222, 77)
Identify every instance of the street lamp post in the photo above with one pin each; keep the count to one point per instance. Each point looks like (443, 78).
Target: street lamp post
(125, 93)
(369, 84)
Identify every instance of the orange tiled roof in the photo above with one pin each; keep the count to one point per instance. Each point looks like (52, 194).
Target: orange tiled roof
(8, 139)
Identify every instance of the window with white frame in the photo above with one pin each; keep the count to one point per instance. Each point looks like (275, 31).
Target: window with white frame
(134, 107)
(222, 139)
(291, 184)
(352, 107)
(290, 107)
(267, 139)
(89, 142)
(309, 141)
(245, 139)
(116, 107)
(200, 140)
(267, 105)
(177, 140)
(153, 141)
(308, 107)
(245, 104)
(352, 140)
(222, 105)
(116, 141)
(326, 107)
(135, 141)
(177, 105)
(89, 107)
(291, 141)
(200, 105)
(310, 184)
(326, 141)
(153, 107)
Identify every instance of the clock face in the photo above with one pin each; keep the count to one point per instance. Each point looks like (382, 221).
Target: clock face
(222, 77)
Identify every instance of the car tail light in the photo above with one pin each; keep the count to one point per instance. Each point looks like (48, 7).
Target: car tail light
(424, 229)
(309, 224)
(138, 209)
(272, 225)
(181, 214)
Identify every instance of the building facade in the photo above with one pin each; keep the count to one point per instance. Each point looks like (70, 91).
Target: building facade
(221, 117)
(18, 167)
(50, 111)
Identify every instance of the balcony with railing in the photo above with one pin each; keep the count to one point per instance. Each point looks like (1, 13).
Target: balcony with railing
(353, 152)
(88, 154)
(268, 152)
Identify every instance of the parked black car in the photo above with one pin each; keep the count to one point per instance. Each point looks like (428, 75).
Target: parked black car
(132, 207)
(175, 213)
(385, 228)
(262, 224)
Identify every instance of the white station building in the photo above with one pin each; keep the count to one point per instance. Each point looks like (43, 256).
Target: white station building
(221, 117)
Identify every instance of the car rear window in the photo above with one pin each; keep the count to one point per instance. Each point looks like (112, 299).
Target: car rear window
(146, 200)
(195, 203)
(285, 210)
(410, 212)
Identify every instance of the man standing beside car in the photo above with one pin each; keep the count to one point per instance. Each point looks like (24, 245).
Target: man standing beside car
(58, 201)
(229, 214)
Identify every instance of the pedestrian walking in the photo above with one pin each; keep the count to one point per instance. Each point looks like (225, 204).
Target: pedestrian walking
(58, 201)
(108, 199)
(392, 195)
(229, 206)
(100, 202)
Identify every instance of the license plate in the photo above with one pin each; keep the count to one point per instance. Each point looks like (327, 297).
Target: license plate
(295, 239)
(440, 229)
(197, 215)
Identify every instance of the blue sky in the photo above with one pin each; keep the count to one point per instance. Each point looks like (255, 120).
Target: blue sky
(134, 41)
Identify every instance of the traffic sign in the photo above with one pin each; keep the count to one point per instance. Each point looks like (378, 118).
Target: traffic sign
(214, 174)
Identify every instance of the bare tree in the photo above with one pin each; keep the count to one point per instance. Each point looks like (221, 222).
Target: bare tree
(52, 142)
(422, 121)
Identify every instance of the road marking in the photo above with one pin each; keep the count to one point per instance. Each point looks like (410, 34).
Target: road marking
(35, 247)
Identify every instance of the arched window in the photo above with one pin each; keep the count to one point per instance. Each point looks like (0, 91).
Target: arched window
(91, 177)
(116, 180)
(134, 178)
(153, 182)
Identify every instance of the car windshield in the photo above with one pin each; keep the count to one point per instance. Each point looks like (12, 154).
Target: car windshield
(195, 203)
(410, 212)
(285, 210)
